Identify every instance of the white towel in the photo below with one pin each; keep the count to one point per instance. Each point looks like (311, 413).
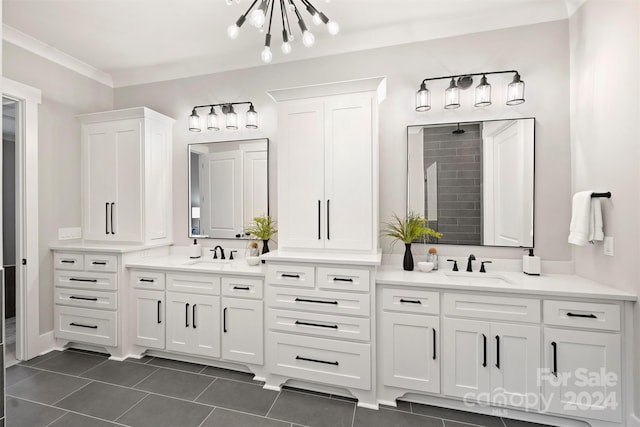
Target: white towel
(586, 219)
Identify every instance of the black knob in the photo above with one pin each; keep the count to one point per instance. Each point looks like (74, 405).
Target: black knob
(455, 264)
(482, 270)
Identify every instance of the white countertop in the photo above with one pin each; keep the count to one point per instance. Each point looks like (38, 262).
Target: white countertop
(547, 285)
(106, 248)
(200, 265)
(323, 257)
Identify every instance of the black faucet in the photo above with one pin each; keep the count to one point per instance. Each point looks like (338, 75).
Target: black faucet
(215, 252)
(472, 257)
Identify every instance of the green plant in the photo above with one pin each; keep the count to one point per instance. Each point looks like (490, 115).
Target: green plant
(263, 227)
(408, 229)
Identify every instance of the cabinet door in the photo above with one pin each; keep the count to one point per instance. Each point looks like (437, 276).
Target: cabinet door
(410, 355)
(149, 318)
(349, 173)
(582, 375)
(205, 325)
(466, 359)
(157, 180)
(179, 322)
(515, 364)
(242, 330)
(301, 202)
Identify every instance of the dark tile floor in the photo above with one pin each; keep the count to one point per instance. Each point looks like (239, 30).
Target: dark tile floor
(81, 389)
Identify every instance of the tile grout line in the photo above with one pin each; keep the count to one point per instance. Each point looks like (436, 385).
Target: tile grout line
(18, 382)
(273, 403)
(138, 383)
(69, 394)
(133, 406)
(205, 389)
(353, 417)
(259, 416)
(504, 423)
(56, 419)
(207, 417)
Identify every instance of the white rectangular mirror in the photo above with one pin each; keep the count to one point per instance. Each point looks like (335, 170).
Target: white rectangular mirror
(474, 181)
(228, 187)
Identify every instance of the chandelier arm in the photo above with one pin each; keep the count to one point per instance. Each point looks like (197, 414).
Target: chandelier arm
(285, 17)
(272, 4)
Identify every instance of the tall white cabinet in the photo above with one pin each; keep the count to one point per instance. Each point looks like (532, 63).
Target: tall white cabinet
(328, 166)
(127, 176)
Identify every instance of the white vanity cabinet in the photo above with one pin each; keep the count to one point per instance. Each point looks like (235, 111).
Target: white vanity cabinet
(148, 308)
(127, 176)
(328, 165)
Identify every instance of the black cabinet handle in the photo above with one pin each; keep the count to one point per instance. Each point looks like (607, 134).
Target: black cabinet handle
(316, 301)
(241, 288)
(587, 316)
(193, 314)
(328, 216)
(159, 302)
(146, 280)
(224, 320)
(342, 279)
(186, 315)
(106, 218)
(555, 358)
(411, 301)
(484, 350)
(318, 325)
(434, 343)
(98, 262)
(112, 206)
(498, 351)
(291, 276)
(75, 279)
(68, 261)
(80, 325)
(306, 359)
(319, 214)
(83, 298)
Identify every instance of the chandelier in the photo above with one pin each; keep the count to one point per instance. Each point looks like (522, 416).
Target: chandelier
(289, 10)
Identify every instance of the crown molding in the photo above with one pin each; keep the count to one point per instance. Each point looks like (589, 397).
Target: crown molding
(49, 52)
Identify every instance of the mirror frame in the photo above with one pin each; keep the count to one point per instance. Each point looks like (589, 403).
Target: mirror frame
(533, 169)
(189, 219)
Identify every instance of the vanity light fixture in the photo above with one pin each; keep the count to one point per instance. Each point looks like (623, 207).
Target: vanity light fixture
(258, 18)
(515, 90)
(230, 115)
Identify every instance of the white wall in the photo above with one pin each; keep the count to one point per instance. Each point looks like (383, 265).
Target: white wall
(540, 52)
(605, 138)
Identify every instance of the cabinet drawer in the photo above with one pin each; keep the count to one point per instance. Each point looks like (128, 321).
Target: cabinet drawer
(491, 307)
(582, 315)
(321, 301)
(86, 298)
(242, 287)
(194, 283)
(101, 262)
(343, 279)
(327, 325)
(84, 280)
(410, 301)
(147, 280)
(321, 360)
(86, 325)
(291, 275)
(68, 261)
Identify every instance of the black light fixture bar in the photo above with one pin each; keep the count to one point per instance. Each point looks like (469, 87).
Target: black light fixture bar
(470, 75)
(223, 104)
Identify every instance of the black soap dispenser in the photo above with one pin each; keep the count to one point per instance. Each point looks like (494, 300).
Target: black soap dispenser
(531, 264)
(195, 251)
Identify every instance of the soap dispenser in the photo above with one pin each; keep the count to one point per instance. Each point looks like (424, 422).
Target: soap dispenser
(195, 250)
(531, 264)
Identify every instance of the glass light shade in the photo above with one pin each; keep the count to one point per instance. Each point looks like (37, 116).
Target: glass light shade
(315, 18)
(266, 55)
(257, 18)
(286, 48)
(452, 96)
(515, 91)
(333, 28)
(308, 39)
(252, 118)
(233, 31)
(423, 99)
(194, 122)
(483, 93)
(212, 120)
(232, 119)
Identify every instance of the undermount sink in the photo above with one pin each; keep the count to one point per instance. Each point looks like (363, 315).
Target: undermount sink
(464, 278)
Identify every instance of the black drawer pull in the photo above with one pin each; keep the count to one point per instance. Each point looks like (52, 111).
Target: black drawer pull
(434, 343)
(83, 326)
(241, 288)
(316, 360)
(84, 298)
(484, 350)
(99, 262)
(340, 279)
(555, 358)
(193, 315)
(498, 351)
(411, 301)
(291, 276)
(186, 315)
(68, 261)
(315, 301)
(298, 322)
(224, 320)
(146, 280)
(587, 316)
(159, 302)
(74, 279)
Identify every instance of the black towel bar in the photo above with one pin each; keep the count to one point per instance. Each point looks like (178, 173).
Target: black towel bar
(607, 194)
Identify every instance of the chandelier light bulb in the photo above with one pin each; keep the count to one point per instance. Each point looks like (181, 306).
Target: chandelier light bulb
(233, 31)
(266, 55)
(229, 2)
(257, 18)
(308, 39)
(315, 17)
(286, 48)
(333, 28)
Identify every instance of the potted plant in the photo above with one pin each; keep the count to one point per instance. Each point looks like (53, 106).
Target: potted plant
(263, 228)
(407, 230)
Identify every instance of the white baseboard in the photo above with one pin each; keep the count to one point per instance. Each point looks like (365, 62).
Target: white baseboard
(46, 343)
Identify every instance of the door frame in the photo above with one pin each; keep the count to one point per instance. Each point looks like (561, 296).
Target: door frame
(28, 343)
